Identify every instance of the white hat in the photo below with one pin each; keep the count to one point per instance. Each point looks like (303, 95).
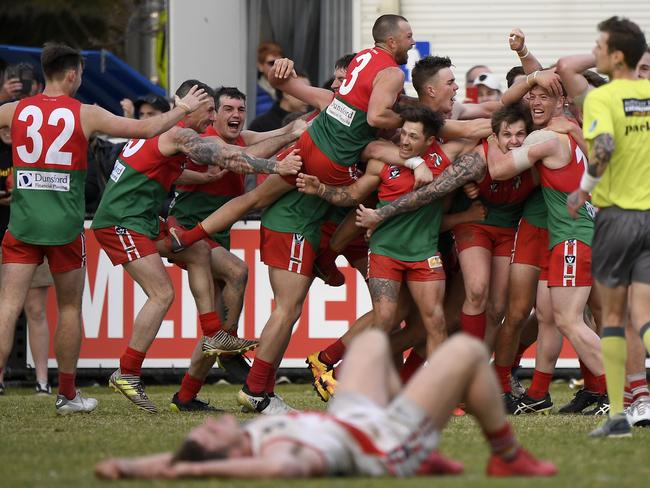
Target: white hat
(489, 80)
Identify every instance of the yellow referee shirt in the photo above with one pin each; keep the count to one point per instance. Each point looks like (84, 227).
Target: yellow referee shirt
(622, 108)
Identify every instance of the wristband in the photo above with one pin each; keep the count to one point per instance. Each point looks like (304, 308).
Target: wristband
(534, 75)
(525, 55)
(413, 162)
(186, 108)
(588, 182)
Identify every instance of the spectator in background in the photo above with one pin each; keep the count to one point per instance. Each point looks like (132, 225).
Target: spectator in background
(267, 53)
(488, 88)
(285, 105)
(144, 107)
(17, 81)
(471, 92)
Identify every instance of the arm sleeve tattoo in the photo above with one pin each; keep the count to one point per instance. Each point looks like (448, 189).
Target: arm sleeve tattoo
(203, 151)
(337, 195)
(601, 152)
(468, 167)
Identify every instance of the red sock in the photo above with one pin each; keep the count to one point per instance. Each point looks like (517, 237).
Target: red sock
(591, 384)
(627, 397)
(601, 384)
(520, 352)
(131, 362)
(333, 353)
(190, 387)
(258, 376)
(270, 383)
(539, 387)
(503, 373)
(638, 386)
(193, 235)
(210, 323)
(411, 365)
(67, 386)
(503, 442)
(473, 325)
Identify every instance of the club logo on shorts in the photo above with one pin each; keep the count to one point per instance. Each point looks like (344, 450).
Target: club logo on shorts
(434, 262)
(299, 238)
(121, 231)
(394, 172)
(570, 259)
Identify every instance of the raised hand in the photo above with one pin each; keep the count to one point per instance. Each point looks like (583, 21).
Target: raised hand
(517, 39)
(471, 190)
(367, 218)
(283, 69)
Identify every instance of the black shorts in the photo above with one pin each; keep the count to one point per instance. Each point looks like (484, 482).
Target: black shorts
(621, 247)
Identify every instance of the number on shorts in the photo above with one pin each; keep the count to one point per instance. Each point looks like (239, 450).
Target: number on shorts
(54, 155)
(346, 87)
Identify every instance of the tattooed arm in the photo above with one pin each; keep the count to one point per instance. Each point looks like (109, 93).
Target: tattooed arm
(601, 153)
(234, 158)
(468, 167)
(343, 196)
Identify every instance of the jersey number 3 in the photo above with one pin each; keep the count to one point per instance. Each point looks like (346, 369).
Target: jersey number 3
(54, 155)
(347, 85)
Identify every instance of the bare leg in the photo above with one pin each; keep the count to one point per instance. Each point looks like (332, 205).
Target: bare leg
(476, 265)
(428, 297)
(496, 304)
(39, 333)
(233, 273)
(14, 286)
(67, 339)
(549, 339)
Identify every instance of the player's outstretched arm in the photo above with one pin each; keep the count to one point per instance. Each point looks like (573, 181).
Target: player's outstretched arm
(388, 153)
(387, 86)
(277, 466)
(538, 145)
(297, 127)
(233, 158)
(469, 129)
(468, 167)
(283, 77)
(265, 148)
(343, 196)
(97, 119)
(570, 69)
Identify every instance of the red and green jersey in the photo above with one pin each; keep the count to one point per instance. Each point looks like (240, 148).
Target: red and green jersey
(412, 236)
(556, 186)
(139, 183)
(49, 150)
(193, 203)
(342, 130)
(535, 211)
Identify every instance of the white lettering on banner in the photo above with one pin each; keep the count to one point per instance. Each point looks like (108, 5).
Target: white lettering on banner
(319, 326)
(118, 169)
(109, 282)
(341, 112)
(263, 294)
(42, 180)
(189, 318)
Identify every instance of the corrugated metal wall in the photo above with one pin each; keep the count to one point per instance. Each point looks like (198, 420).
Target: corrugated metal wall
(474, 32)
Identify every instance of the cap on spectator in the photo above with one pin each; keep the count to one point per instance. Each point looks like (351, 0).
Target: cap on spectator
(156, 101)
(489, 80)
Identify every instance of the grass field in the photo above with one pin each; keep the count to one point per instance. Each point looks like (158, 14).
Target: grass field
(38, 448)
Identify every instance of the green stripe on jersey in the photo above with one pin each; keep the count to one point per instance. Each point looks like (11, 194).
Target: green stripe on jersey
(47, 206)
(561, 226)
(130, 200)
(191, 207)
(412, 236)
(341, 132)
(535, 211)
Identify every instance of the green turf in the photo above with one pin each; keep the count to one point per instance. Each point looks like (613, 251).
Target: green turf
(37, 448)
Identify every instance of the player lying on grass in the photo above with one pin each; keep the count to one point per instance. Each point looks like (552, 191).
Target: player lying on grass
(372, 427)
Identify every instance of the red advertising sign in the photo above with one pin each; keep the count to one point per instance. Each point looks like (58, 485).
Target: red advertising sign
(111, 300)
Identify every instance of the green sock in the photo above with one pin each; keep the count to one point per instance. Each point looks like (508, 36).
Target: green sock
(614, 356)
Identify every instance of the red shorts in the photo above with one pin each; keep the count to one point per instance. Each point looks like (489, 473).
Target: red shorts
(570, 264)
(531, 247)
(356, 250)
(498, 240)
(284, 250)
(123, 245)
(61, 259)
(314, 162)
(394, 269)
